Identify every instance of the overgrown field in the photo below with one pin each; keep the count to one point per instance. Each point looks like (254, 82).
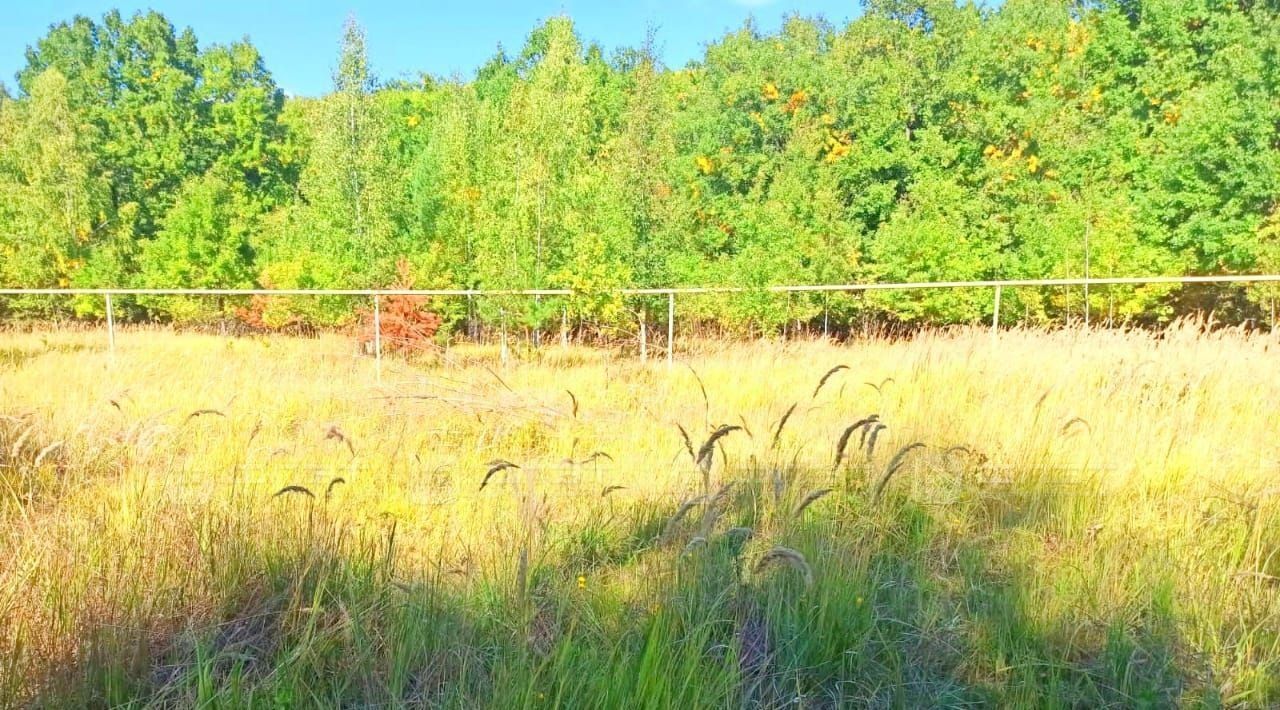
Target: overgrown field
(1044, 519)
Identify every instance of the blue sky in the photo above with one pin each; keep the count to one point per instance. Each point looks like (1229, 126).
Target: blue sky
(299, 39)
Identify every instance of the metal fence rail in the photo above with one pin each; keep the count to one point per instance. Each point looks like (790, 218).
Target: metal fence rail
(670, 293)
(678, 290)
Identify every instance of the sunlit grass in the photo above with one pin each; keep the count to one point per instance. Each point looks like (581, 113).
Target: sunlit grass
(1092, 520)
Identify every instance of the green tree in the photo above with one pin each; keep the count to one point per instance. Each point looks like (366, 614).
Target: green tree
(205, 243)
(53, 217)
(345, 228)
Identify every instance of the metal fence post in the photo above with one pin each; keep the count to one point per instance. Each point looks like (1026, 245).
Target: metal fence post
(1273, 309)
(671, 328)
(111, 327)
(503, 352)
(377, 338)
(644, 337)
(995, 315)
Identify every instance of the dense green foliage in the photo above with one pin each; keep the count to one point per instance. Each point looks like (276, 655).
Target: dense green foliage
(922, 141)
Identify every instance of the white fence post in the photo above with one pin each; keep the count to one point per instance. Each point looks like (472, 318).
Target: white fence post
(111, 327)
(671, 328)
(503, 352)
(1273, 309)
(995, 314)
(644, 337)
(826, 315)
(377, 338)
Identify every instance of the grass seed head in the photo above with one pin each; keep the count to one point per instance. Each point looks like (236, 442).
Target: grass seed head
(788, 557)
(809, 500)
(826, 377)
(895, 463)
(294, 489)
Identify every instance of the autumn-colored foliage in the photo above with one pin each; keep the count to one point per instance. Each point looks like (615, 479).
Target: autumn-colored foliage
(256, 315)
(406, 322)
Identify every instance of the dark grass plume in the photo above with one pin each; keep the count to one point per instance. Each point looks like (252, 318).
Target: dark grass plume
(897, 462)
(204, 412)
(500, 380)
(688, 443)
(880, 387)
(826, 377)
(596, 456)
(495, 466)
(45, 452)
(809, 500)
(573, 399)
(294, 489)
(328, 491)
(253, 433)
(789, 558)
(744, 533)
(707, 452)
(777, 430)
(706, 401)
(870, 421)
(873, 437)
(679, 515)
(694, 544)
(334, 432)
(842, 444)
(1074, 421)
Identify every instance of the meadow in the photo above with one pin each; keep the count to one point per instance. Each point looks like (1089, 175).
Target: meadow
(1063, 518)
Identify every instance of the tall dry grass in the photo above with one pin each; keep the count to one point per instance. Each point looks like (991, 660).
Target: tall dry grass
(1066, 518)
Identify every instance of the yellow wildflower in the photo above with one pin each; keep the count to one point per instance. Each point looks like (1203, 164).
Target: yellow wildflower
(769, 92)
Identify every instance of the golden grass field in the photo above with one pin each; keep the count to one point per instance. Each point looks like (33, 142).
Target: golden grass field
(1093, 520)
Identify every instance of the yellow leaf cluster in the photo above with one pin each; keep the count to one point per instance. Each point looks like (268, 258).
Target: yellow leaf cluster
(1094, 99)
(798, 98)
(769, 92)
(1077, 39)
(837, 146)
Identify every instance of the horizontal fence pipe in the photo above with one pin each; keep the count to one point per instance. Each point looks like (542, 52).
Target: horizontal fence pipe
(681, 290)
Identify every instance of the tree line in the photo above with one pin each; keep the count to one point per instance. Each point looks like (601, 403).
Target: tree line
(923, 140)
